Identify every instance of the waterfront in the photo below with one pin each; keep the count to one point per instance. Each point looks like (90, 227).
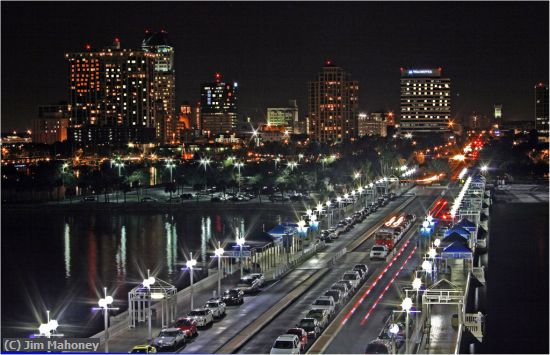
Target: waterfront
(61, 262)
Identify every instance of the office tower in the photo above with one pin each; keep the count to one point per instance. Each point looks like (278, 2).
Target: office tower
(541, 110)
(333, 104)
(425, 101)
(51, 124)
(183, 127)
(498, 112)
(164, 83)
(284, 116)
(112, 96)
(373, 124)
(218, 107)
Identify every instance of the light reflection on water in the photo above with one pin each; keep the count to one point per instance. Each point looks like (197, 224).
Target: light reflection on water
(52, 257)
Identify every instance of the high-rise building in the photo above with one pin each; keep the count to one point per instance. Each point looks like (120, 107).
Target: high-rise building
(333, 104)
(111, 88)
(425, 101)
(541, 110)
(498, 112)
(373, 124)
(218, 107)
(164, 83)
(284, 116)
(183, 127)
(51, 124)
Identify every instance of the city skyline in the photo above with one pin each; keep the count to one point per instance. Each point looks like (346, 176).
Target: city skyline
(503, 70)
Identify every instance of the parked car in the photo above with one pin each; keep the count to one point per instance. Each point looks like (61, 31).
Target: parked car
(310, 325)
(325, 302)
(302, 336)
(349, 285)
(169, 338)
(233, 296)
(173, 199)
(258, 276)
(278, 198)
(320, 314)
(286, 344)
(364, 269)
(186, 196)
(88, 199)
(202, 316)
(380, 346)
(342, 288)
(143, 349)
(249, 285)
(353, 277)
(148, 199)
(216, 306)
(188, 326)
(337, 296)
(379, 252)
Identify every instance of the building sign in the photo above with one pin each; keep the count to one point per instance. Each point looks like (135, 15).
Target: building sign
(237, 253)
(421, 72)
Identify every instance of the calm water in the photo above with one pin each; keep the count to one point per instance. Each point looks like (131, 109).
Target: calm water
(61, 263)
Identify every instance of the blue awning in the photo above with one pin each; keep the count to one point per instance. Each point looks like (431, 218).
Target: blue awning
(457, 247)
(459, 230)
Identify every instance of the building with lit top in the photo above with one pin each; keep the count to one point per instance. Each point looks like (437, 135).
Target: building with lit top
(541, 110)
(425, 101)
(112, 96)
(218, 107)
(333, 104)
(164, 84)
(373, 124)
(284, 116)
(51, 124)
(498, 113)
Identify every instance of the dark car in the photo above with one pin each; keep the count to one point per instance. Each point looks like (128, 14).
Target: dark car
(311, 326)
(186, 196)
(88, 199)
(302, 336)
(233, 296)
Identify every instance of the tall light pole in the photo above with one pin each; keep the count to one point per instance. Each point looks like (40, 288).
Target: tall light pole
(147, 283)
(329, 218)
(48, 329)
(170, 165)
(219, 253)
(240, 243)
(119, 165)
(406, 305)
(104, 304)
(292, 165)
(300, 157)
(356, 176)
(416, 285)
(239, 165)
(191, 263)
(277, 160)
(205, 162)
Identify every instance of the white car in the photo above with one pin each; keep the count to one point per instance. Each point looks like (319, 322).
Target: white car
(169, 338)
(258, 276)
(379, 252)
(325, 302)
(353, 277)
(249, 285)
(217, 307)
(286, 344)
(202, 316)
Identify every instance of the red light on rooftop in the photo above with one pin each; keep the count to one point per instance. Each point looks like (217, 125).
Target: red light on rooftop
(117, 40)
(328, 62)
(402, 69)
(540, 85)
(440, 69)
(88, 47)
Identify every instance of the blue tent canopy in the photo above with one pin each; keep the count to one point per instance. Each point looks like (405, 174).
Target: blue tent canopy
(282, 229)
(459, 230)
(452, 238)
(457, 247)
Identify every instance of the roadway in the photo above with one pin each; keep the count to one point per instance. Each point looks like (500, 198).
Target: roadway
(262, 341)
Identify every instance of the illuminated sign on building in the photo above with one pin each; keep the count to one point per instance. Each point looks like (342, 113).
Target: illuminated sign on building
(421, 72)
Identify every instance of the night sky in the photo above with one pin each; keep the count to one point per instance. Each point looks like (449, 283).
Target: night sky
(493, 52)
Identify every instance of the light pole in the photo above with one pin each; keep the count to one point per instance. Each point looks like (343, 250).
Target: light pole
(356, 176)
(147, 283)
(406, 305)
(329, 218)
(300, 157)
(339, 200)
(219, 253)
(170, 165)
(119, 165)
(240, 243)
(277, 160)
(48, 329)
(292, 165)
(104, 304)
(191, 263)
(205, 162)
(239, 165)
(416, 285)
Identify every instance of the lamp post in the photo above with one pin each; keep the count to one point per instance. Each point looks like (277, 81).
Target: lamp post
(416, 285)
(170, 165)
(219, 253)
(406, 305)
(191, 263)
(240, 243)
(205, 162)
(239, 165)
(356, 176)
(292, 165)
(48, 329)
(339, 200)
(277, 160)
(104, 304)
(119, 165)
(147, 283)
(329, 218)
(300, 157)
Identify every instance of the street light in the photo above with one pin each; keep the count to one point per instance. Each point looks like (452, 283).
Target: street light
(170, 165)
(416, 284)
(437, 242)
(484, 168)
(219, 253)
(239, 165)
(104, 304)
(240, 243)
(205, 162)
(292, 165)
(427, 266)
(432, 253)
(48, 329)
(191, 263)
(300, 157)
(276, 161)
(120, 165)
(406, 305)
(147, 283)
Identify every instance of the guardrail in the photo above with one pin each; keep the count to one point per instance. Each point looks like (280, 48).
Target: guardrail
(283, 269)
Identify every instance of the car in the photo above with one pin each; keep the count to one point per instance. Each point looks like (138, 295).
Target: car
(310, 325)
(342, 287)
(302, 336)
(364, 269)
(88, 199)
(320, 314)
(286, 344)
(349, 284)
(169, 338)
(233, 296)
(275, 198)
(328, 239)
(249, 285)
(148, 199)
(353, 277)
(258, 276)
(186, 196)
(337, 296)
(380, 346)
(217, 307)
(188, 326)
(216, 199)
(379, 252)
(143, 349)
(325, 302)
(202, 316)
(173, 199)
